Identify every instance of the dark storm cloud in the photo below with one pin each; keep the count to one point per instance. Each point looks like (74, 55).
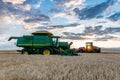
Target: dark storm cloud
(93, 12)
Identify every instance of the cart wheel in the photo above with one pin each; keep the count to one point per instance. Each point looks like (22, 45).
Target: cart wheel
(46, 51)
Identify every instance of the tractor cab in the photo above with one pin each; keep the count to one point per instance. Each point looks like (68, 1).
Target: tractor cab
(89, 47)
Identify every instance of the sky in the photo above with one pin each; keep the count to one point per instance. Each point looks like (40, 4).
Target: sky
(94, 20)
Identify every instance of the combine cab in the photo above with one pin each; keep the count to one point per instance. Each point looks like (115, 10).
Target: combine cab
(43, 42)
(89, 48)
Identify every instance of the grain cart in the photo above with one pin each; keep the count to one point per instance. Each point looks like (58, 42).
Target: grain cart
(43, 42)
(89, 48)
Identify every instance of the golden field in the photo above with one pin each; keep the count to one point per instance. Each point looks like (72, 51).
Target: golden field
(86, 66)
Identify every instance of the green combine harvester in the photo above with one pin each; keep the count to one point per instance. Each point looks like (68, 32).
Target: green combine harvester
(43, 42)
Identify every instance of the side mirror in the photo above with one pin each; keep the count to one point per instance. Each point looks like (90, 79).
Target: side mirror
(70, 43)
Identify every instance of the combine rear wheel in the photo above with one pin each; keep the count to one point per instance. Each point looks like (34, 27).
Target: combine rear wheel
(46, 51)
(25, 52)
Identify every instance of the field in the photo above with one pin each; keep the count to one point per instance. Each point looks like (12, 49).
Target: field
(104, 66)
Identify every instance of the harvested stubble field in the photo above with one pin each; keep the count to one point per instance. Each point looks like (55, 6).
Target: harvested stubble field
(55, 67)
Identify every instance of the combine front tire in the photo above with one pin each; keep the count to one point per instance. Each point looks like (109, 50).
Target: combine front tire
(46, 51)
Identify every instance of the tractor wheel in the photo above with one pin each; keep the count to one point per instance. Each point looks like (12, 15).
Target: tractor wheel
(25, 52)
(99, 51)
(46, 51)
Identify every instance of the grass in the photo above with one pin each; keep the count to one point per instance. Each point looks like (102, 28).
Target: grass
(55, 67)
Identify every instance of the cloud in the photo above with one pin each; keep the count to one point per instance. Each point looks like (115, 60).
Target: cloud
(67, 3)
(61, 14)
(93, 12)
(26, 7)
(55, 10)
(5, 17)
(3, 9)
(37, 18)
(69, 16)
(5, 20)
(31, 21)
(22, 15)
(115, 16)
(37, 5)
(15, 1)
(72, 3)
(31, 25)
(34, 21)
(34, 3)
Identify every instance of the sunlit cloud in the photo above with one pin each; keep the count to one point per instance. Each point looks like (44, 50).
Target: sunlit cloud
(68, 5)
(73, 3)
(15, 1)
(26, 7)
